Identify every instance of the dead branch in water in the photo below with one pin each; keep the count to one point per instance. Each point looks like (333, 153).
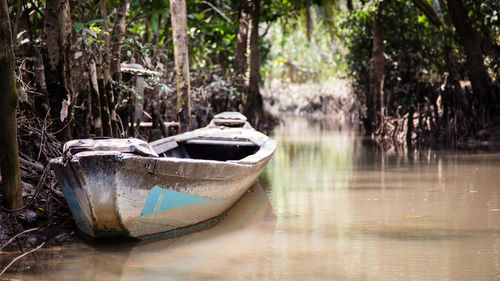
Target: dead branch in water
(20, 257)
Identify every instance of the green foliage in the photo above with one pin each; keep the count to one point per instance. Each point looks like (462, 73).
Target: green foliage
(485, 16)
(322, 56)
(212, 33)
(414, 50)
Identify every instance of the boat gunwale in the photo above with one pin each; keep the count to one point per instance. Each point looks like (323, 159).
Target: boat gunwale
(266, 146)
(265, 150)
(125, 157)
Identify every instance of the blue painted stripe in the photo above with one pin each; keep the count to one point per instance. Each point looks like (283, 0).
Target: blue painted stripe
(160, 199)
(75, 208)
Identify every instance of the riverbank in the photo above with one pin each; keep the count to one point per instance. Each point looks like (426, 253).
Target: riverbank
(332, 98)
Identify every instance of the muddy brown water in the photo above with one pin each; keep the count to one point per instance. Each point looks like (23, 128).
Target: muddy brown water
(329, 206)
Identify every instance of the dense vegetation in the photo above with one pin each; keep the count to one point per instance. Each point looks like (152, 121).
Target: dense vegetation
(425, 72)
(437, 88)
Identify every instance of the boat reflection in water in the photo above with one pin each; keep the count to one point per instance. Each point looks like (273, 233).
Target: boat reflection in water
(249, 222)
(248, 225)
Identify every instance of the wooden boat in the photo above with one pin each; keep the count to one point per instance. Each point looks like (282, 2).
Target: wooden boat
(127, 187)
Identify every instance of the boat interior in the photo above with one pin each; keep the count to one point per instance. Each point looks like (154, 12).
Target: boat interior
(210, 149)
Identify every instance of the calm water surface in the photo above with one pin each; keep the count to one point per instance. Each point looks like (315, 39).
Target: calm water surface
(329, 206)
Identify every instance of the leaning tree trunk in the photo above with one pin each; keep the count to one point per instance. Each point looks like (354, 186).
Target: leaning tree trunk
(117, 39)
(374, 101)
(240, 54)
(180, 38)
(309, 21)
(56, 54)
(9, 161)
(253, 106)
(106, 92)
(469, 39)
(112, 63)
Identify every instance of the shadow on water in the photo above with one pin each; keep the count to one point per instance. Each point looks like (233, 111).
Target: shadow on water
(422, 234)
(112, 259)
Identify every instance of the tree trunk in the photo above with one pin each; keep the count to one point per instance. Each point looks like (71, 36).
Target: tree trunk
(83, 101)
(56, 53)
(253, 106)
(350, 7)
(180, 38)
(112, 60)
(374, 99)
(453, 83)
(117, 39)
(9, 161)
(105, 112)
(410, 127)
(240, 54)
(41, 102)
(107, 89)
(15, 28)
(131, 104)
(95, 98)
(429, 11)
(469, 39)
(309, 21)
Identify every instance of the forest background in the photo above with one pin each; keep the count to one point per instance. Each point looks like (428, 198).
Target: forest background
(414, 73)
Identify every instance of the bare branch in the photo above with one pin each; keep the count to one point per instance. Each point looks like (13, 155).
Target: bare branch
(20, 257)
(429, 12)
(217, 10)
(17, 235)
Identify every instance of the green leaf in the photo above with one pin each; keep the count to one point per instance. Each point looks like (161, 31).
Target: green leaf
(154, 23)
(78, 26)
(199, 16)
(422, 19)
(94, 21)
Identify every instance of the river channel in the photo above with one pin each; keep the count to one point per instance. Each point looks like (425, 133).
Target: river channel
(329, 206)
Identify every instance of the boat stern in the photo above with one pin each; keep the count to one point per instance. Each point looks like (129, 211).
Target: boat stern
(87, 181)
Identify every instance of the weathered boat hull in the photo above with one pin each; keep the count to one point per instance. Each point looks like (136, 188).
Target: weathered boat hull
(111, 193)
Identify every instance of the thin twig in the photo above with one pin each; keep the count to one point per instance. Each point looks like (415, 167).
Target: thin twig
(44, 127)
(20, 257)
(265, 31)
(217, 10)
(137, 16)
(69, 122)
(17, 235)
